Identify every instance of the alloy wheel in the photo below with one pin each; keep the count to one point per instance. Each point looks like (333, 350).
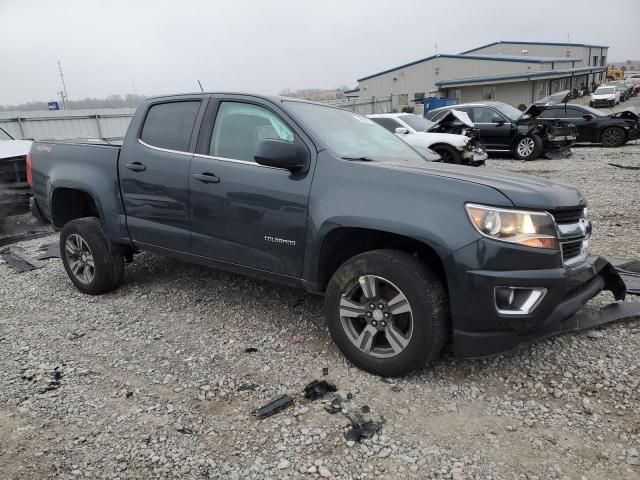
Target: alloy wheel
(377, 317)
(525, 147)
(612, 136)
(80, 258)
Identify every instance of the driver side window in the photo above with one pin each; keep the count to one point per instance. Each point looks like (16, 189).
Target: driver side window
(240, 127)
(484, 115)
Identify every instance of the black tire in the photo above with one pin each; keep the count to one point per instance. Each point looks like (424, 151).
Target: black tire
(591, 104)
(534, 150)
(613, 137)
(448, 154)
(108, 261)
(612, 103)
(428, 310)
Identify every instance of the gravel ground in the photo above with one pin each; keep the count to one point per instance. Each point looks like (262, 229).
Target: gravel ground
(153, 380)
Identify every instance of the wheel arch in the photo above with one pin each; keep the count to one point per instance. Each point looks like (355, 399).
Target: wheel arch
(70, 203)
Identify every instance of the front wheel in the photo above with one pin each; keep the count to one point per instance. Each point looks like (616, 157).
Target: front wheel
(387, 312)
(93, 264)
(448, 154)
(613, 137)
(528, 148)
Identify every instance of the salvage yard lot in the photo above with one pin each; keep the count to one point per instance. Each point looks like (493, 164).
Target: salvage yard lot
(153, 381)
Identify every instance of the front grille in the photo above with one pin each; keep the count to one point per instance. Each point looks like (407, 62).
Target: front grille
(571, 250)
(568, 216)
(13, 170)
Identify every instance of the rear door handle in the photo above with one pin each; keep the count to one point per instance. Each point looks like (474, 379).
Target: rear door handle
(206, 177)
(136, 167)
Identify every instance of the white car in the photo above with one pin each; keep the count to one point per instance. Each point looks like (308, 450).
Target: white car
(14, 190)
(414, 130)
(606, 96)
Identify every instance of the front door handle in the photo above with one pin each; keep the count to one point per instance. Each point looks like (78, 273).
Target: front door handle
(136, 167)
(206, 177)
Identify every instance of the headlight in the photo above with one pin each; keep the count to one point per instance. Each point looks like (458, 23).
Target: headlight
(531, 229)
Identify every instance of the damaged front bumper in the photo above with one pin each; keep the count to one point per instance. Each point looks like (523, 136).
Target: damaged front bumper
(474, 155)
(486, 332)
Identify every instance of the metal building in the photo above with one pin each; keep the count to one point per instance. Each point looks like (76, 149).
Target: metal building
(512, 72)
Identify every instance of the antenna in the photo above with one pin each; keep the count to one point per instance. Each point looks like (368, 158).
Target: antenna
(201, 89)
(63, 94)
(436, 45)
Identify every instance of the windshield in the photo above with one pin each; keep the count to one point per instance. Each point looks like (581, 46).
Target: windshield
(593, 111)
(4, 136)
(418, 123)
(512, 113)
(604, 91)
(353, 136)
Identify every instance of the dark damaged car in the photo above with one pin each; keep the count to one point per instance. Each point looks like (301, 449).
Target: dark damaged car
(504, 128)
(593, 126)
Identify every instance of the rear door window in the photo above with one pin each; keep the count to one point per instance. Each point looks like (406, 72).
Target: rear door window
(169, 125)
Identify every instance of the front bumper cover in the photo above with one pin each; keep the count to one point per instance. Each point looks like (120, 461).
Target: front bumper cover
(567, 295)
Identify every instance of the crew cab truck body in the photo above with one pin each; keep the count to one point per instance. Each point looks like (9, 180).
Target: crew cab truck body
(408, 254)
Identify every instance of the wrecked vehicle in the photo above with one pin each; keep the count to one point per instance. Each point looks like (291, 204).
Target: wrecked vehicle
(14, 190)
(613, 130)
(504, 128)
(410, 255)
(458, 148)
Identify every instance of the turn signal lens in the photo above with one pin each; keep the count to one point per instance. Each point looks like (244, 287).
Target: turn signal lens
(531, 229)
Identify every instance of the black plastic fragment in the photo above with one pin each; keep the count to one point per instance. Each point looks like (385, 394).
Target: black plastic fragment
(250, 350)
(626, 167)
(274, 406)
(50, 251)
(17, 259)
(365, 409)
(247, 387)
(318, 389)
(361, 428)
(23, 237)
(185, 430)
(325, 371)
(335, 406)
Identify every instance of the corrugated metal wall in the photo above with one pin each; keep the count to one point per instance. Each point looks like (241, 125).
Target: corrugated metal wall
(106, 123)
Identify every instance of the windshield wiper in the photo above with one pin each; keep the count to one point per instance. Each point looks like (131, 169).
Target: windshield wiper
(360, 159)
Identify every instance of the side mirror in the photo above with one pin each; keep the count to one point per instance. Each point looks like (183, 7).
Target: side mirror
(401, 131)
(281, 154)
(587, 116)
(498, 120)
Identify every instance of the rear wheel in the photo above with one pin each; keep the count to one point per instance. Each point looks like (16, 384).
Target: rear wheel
(613, 137)
(528, 148)
(93, 264)
(387, 312)
(448, 154)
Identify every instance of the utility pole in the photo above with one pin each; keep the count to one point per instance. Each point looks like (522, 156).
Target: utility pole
(63, 94)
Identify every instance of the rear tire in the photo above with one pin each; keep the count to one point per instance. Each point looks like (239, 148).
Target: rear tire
(448, 154)
(528, 148)
(411, 327)
(613, 137)
(93, 264)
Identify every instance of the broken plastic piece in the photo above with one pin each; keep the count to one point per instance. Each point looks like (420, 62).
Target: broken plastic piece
(274, 406)
(250, 350)
(23, 237)
(626, 167)
(325, 371)
(50, 251)
(361, 428)
(318, 389)
(17, 259)
(335, 406)
(185, 430)
(365, 409)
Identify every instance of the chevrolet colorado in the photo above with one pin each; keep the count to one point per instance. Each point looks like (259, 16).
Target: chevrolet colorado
(409, 254)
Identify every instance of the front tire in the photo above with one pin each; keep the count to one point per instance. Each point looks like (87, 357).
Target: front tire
(448, 154)
(528, 148)
(613, 137)
(92, 263)
(387, 312)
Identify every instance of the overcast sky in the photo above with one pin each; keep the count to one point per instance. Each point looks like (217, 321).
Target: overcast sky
(267, 45)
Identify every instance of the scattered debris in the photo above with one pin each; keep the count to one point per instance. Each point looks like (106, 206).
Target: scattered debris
(325, 371)
(629, 270)
(595, 334)
(50, 251)
(250, 350)
(54, 383)
(361, 428)
(185, 431)
(274, 406)
(626, 167)
(17, 259)
(23, 237)
(396, 388)
(318, 389)
(365, 409)
(335, 406)
(247, 387)
(129, 394)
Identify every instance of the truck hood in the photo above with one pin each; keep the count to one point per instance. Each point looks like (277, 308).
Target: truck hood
(524, 191)
(14, 148)
(426, 139)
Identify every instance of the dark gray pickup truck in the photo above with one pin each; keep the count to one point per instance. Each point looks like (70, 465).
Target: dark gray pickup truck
(409, 254)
